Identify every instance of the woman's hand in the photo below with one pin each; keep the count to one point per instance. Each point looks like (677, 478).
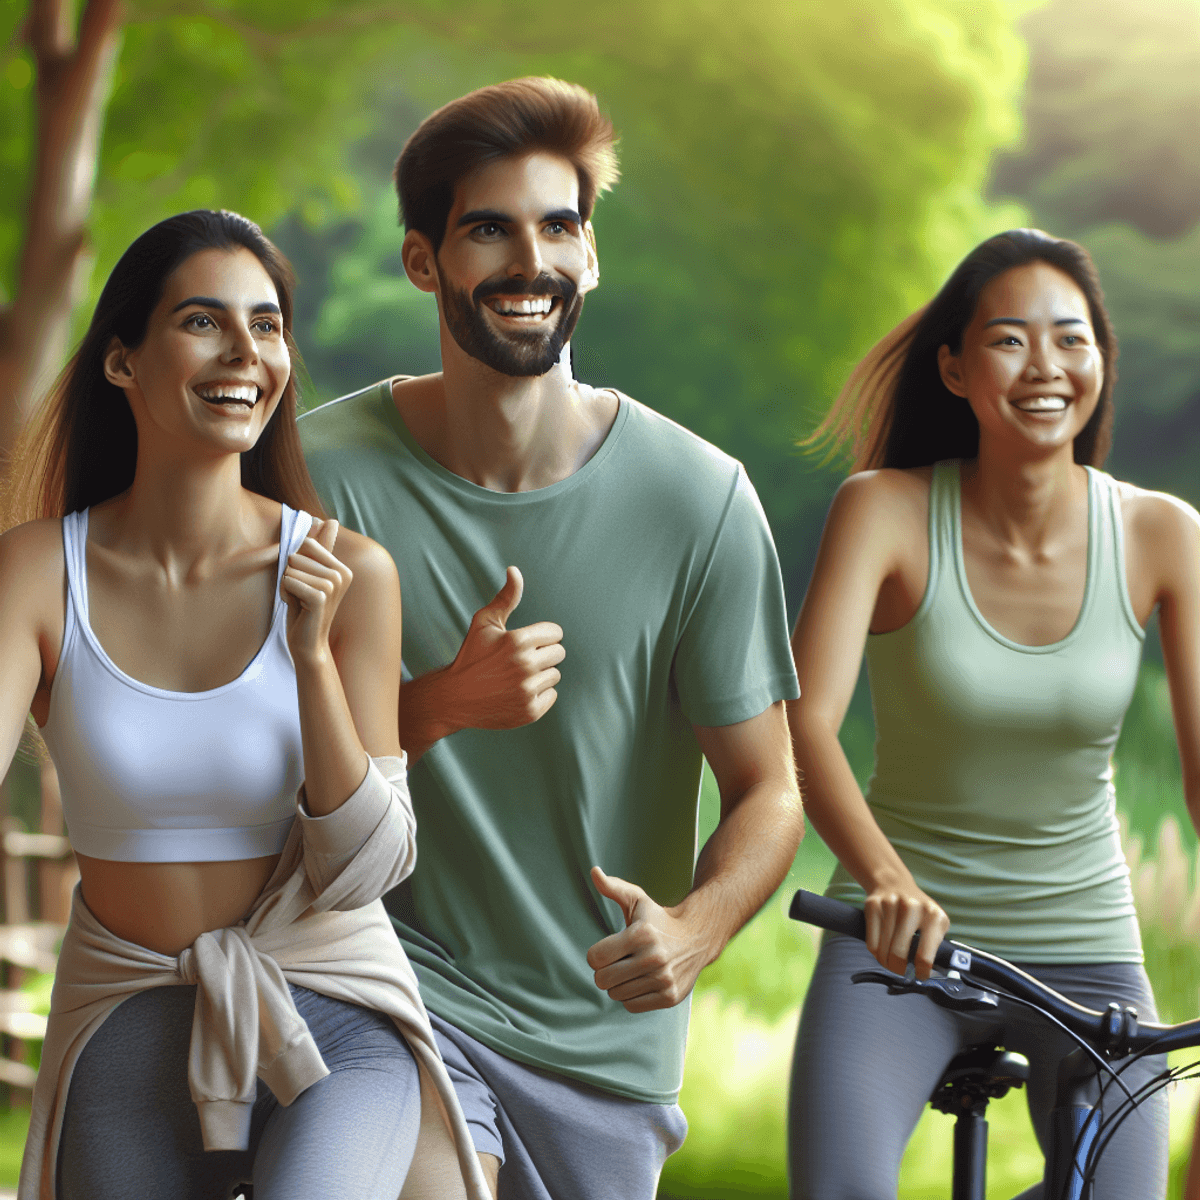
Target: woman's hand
(312, 586)
(895, 912)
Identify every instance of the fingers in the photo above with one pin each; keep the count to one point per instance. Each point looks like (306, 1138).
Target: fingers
(325, 533)
(543, 634)
(893, 919)
(497, 611)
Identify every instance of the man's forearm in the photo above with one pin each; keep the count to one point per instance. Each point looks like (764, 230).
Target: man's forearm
(744, 861)
(426, 712)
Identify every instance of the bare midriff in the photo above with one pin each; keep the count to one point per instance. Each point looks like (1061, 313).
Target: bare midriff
(167, 906)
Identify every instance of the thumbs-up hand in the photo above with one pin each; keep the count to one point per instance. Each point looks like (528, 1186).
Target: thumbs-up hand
(503, 678)
(653, 962)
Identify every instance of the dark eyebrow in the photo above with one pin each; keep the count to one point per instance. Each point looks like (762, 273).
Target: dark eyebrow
(1022, 321)
(264, 306)
(203, 301)
(478, 215)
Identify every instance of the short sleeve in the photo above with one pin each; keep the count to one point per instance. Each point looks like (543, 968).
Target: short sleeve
(733, 659)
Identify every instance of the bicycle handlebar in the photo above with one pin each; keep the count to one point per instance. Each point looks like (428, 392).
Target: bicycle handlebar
(1116, 1032)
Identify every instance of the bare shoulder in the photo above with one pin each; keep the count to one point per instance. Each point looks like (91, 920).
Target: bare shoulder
(892, 496)
(370, 563)
(1158, 520)
(33, 550)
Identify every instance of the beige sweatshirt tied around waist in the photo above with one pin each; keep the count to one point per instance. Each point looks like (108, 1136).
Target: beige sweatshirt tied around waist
(318, 924)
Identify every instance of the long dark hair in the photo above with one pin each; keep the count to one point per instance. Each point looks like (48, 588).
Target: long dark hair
(81, 448)
(895, 411)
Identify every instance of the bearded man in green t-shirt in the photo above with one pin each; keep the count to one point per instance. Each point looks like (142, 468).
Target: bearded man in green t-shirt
(558, 916)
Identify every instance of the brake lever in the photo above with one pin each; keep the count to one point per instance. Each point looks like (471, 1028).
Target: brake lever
(949, 991)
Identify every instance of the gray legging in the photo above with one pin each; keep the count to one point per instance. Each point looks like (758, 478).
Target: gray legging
(131, 1131)
(866, 1064)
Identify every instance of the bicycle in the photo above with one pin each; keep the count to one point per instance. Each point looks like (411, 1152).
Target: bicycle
(1108, 1041)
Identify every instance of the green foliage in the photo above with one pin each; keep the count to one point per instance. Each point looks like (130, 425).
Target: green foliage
(1112, 86)
(797, 177)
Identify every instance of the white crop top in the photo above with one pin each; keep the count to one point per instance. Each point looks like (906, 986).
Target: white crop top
(149, 775)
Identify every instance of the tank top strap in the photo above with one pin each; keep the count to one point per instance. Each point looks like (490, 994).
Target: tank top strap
(1106, 537)
(293, 529)
(74, 534)
(943, 523)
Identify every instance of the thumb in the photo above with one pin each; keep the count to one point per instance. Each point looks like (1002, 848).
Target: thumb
(500, 608)
(627, 895)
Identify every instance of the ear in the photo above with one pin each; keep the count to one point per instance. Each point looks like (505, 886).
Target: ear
(420, 261)
(950, 369)
(591, 273)
(116, 365)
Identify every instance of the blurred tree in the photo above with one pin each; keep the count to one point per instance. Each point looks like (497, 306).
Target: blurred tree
(73, 76)
(1112, 105)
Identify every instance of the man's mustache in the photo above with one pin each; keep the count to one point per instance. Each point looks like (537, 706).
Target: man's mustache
(540, 285)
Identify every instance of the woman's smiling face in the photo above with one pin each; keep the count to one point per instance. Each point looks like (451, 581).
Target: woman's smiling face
(1029, 365)
(214, 361)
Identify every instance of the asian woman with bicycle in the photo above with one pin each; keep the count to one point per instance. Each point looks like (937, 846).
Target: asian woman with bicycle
(1000, 583)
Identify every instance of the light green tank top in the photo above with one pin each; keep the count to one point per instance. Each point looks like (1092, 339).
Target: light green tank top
(993, 760)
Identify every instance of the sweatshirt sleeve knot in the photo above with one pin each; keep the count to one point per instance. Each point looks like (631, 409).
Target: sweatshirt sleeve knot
(246, 1026)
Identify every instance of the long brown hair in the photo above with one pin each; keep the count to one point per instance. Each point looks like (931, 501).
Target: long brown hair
(81, 448)
(895, 411)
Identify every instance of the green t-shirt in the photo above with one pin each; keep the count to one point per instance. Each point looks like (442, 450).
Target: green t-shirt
(656, 560)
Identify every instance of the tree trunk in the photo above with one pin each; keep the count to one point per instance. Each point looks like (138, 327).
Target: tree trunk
(74, 78)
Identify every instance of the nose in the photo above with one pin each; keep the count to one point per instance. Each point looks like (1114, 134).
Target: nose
(1043, 362)
(526, 262)
(240, 346)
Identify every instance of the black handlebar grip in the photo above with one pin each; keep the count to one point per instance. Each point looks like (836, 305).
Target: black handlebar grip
(835, 915)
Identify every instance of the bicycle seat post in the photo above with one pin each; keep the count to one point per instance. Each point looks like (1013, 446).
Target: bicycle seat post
(973, 1077)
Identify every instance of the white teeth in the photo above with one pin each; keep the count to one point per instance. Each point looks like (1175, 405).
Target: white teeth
(1041, 404)
(539, 304)
(223, 393)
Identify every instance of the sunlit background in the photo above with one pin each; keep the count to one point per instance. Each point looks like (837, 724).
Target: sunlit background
(797, 176)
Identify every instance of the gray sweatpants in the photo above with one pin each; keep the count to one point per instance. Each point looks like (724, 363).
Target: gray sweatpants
(866, 1064)
(557, 1139)
(131, 1132)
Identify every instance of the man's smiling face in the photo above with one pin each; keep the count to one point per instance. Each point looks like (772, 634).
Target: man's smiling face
(515, 263)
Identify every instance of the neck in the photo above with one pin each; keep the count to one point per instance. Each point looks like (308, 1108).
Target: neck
(508, 433)
(1025, 501)
(182, 509)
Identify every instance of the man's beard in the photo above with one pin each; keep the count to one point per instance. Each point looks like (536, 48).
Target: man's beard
(523, 351)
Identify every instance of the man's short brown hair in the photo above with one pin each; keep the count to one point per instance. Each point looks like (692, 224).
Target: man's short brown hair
(506, 119)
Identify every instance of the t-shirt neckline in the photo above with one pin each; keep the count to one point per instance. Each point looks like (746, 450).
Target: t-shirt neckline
(474, 490)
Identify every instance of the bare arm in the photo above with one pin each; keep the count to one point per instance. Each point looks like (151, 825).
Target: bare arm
(858, 570)
(1164, 569)
(654, 961)
(31, 619)
(500, 679)
(344, 635)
